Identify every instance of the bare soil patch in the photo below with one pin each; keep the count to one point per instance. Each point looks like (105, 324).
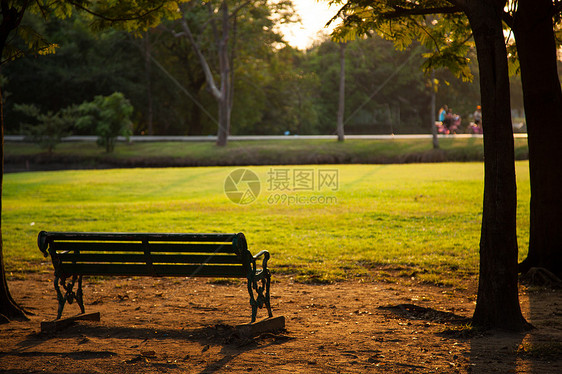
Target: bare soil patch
(180, 325)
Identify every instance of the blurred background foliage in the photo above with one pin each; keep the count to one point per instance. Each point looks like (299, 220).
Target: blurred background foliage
(277, 88)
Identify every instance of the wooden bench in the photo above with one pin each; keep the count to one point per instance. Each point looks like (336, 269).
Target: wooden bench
(75, 254)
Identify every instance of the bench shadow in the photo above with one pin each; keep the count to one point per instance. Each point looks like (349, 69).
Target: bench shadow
(230, 340)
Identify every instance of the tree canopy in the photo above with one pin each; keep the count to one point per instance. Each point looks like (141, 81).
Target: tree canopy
(130, 15)
(278, 88)
(438, 25)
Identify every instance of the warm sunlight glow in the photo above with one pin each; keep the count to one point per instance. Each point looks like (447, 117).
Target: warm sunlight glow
(314, 15)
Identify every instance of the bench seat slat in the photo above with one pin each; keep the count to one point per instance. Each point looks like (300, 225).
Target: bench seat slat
(215, 271)
(154, 258)
(136, 247)
(55, 236)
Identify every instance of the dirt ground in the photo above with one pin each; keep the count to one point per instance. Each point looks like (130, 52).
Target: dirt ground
(180, 325)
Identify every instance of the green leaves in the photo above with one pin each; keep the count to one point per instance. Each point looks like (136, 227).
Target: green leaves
(453, 57)
(32, 42)
(131, 15)
(108, 116)
(437, 25)
(49, 128)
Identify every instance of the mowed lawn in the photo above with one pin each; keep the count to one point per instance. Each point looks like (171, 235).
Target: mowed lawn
(319, 222)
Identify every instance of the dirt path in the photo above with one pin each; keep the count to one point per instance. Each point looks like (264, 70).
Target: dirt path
(178, 325)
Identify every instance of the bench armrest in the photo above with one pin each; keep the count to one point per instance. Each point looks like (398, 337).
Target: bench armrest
(265, 255)
(42, 243)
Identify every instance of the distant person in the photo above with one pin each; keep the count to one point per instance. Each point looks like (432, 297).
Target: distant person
(476, 126)
(478, 116)
(455, 123)
(448, 120)
(442, 113)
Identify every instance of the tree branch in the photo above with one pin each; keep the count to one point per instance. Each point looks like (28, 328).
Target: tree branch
(508, 19)
(118, 19)
(430, 36)
(178, 34)
(206, 69)
(402, 12)
(239, 7)
(42, 8)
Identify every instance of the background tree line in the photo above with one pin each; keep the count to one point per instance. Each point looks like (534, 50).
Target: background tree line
(276, 88)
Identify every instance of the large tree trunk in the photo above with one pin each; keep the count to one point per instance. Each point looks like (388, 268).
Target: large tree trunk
(9, 309)
(498, 300)
(536, 47)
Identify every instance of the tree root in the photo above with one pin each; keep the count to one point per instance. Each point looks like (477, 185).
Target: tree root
(3, 319)
(12, 312)
(541, 277)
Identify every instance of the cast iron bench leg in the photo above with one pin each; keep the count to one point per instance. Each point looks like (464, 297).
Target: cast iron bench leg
(260, 300)
(80, 295)
(61, 299)
(70, 295)
(253, 301)
(267, 299)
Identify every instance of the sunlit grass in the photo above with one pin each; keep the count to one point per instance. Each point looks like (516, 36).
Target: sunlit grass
(422, 219)
(294, 151)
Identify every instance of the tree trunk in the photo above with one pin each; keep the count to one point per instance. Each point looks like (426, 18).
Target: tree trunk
(148, 78)
(222, 94)
(194, 125)
(225, 89)
(498, 300)
(224, 122)
(9, 309)
(536, 47)
(341, 102)
(435, 139)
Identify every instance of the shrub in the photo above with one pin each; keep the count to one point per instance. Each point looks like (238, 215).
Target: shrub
(48, 129)
(108, 116)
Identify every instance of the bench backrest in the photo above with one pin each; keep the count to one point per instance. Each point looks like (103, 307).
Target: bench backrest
(132, 254)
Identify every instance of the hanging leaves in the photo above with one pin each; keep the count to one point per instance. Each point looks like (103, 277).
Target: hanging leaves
(436, 24)
(134, 16)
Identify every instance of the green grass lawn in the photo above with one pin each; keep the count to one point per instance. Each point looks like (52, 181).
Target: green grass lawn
(414, 218)
(294, 151)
